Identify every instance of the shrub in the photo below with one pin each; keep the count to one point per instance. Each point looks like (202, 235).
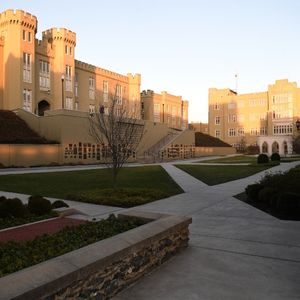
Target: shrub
(38, 205)
(275, 157)
(59, 204)
(288, 202)
(12, 208)
(267, 195)
(252, 191)
(262, 158)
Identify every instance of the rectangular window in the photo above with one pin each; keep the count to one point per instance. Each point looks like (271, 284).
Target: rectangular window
(156, 112)
(231, 132)
(240, 118)
(76, 85)
(66, 49)
(44, 77)
(241, 131)
(24, 35)
(29, 36)
(27, 100)
(254, 131)
(282, 129)
(27, 67)
(252, 102)
(105, 91)
(217, 120)
(217, 134)
(174, 116)
(69, 103)
(70, 50)
(231, 118)
(69, 78)
(92, 88)
(263, 131)
(217, 106)
(119, 94)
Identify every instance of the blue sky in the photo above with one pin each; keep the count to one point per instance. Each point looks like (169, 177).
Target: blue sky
(183, 47)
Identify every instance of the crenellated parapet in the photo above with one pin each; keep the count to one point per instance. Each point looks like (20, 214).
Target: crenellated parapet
(44, 48)
(18, 17)
(60, 34)
(100, 71)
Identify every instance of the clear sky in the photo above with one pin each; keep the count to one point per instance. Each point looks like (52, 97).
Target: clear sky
(182, 46)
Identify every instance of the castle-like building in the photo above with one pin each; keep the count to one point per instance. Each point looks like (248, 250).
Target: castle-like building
(268, 119)
(39, 75)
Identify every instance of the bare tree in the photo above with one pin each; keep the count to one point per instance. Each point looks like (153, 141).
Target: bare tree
(119, 131)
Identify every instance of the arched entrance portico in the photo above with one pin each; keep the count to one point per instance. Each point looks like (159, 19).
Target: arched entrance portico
(42, 107)
(275, 144)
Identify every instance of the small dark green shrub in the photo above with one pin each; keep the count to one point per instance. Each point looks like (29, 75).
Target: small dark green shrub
(288, 202)
(252, 191)
(275, 157)
(267, 195)
(59, 204)
(12, 208)
(262, 158)
(38, 205)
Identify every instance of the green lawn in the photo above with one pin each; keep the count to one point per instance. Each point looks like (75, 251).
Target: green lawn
(232, 160)
(213, 175)
(137, 185)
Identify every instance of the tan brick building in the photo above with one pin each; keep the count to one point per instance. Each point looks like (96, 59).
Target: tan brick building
(199, 127)
(267, 118)
(165, 108)
(40, 75)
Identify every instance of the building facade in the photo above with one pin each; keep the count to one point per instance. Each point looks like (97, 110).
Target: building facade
(165, 108)
(199, 127)
(40, 75)
(267, 119)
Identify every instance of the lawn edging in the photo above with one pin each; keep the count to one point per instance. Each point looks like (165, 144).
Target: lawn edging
(103, 268)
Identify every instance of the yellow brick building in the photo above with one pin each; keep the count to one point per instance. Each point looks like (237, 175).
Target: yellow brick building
(267, 119)
(165, 108)
(40, 75)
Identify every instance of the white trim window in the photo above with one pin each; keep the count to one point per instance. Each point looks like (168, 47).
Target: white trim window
(217, 134)
(119, 94)
(27, 100)
(254, 131)
(217, 120)
(69, 103)
(231, 118)
(44, 75)
(282, 129)
(263, 130)
(231, 132)
(241, 131)
(76, 85)
(217, 106)
(105, 91)
(156, 112)
(92, 88)
(26, 67)
(69, 87)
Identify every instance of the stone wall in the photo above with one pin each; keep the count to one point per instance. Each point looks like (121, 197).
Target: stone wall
(102, 269)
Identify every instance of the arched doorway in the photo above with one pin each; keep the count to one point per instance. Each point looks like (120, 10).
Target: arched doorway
(264, 147)
(42, 107)
(285, 148)
(275, 147)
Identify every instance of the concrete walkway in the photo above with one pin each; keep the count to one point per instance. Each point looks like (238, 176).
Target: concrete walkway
(235, 252)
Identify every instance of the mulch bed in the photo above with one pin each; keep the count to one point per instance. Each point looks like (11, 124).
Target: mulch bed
(29, 232)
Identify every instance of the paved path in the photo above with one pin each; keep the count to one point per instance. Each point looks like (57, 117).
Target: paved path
(235, 252)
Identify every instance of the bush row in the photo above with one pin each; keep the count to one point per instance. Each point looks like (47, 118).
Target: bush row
(37, 205)
(279, 191)
(264, 158)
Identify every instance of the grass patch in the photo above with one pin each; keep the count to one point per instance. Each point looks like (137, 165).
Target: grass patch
(137, 185)
(213, 175)
(232, 160)
(15, 256)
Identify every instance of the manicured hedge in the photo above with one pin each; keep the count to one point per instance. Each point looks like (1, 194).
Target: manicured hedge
(15, 256)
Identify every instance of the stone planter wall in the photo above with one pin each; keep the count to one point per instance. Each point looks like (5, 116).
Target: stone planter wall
(101, 270)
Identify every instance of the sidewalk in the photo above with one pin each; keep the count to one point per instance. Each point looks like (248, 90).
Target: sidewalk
(235, 252)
